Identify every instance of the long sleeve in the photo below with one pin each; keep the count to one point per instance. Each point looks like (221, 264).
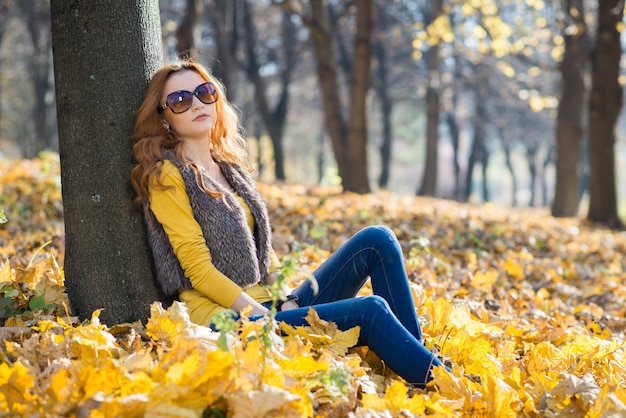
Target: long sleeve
(172, 209)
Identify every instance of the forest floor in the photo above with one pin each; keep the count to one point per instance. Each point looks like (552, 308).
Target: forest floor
(528, 311)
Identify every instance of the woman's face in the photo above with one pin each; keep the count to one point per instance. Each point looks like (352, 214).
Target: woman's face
(199, 119)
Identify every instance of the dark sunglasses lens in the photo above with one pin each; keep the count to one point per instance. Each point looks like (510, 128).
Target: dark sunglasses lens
(179, 101)
(206, 93)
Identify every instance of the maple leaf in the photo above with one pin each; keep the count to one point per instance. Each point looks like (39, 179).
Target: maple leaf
(16, 384)
(396, 401)
(501, 399)
(165, 325)
(610, 402)
(324, 333)
(268, 402)
(454, 385)
(92, 342)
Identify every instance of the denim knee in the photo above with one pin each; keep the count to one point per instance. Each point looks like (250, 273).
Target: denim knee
(378, 234)
(373, 304)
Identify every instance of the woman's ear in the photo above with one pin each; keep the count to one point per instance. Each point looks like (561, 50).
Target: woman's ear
(165, 125)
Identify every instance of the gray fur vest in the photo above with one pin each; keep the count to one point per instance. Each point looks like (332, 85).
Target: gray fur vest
(241, 255)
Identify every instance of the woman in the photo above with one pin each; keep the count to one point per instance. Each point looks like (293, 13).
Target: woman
(210, 236)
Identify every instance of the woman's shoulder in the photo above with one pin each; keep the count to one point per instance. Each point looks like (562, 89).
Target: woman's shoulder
(169, 174)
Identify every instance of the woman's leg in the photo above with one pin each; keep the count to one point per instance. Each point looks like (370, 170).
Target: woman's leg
(372, 252)
(381, 331)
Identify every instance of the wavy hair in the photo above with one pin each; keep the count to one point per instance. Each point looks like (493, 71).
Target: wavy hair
(150, 138)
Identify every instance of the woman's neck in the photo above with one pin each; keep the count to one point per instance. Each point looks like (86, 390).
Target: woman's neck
(199, 153)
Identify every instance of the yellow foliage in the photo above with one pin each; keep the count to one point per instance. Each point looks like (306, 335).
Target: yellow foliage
(526, 309)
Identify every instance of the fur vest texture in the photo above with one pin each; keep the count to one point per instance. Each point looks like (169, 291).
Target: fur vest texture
(241, 255)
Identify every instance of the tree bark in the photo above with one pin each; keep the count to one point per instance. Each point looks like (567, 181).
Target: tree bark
(273, 119)
(604, 109)
(428, 186)
(478, 152)
(224, 19)
(348, 139)
(329, 84)
(36, 13)
(383, 87)
(569, 122)
(356, 179)
(187, 36)
(104, 54)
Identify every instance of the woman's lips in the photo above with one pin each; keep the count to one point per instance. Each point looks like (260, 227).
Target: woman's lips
(201, 117)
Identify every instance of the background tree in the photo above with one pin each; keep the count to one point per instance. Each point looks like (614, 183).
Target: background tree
(605, 105)
(569, 127)
(348, 135)
(188, 32)
(519, 44)
(283, 59)
(104, 54)
(433, 18)
(37, 16)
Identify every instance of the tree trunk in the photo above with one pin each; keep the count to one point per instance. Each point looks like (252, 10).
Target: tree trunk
(531, 157)
(480, 130)
(36, 14)
(104, 54)
(273, 119)
(224, 20)
(455, 138)
(329, 83)
(187, 36)
(549, 159)
(509, 166)
(349, 140)
(604, 109)
(428, 186)
(356, 179)
(569, 122)
(382, 87)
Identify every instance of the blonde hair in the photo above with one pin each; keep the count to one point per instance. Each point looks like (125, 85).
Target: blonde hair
(150, 138)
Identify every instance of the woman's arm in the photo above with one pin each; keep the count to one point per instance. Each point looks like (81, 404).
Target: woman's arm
(172, 209)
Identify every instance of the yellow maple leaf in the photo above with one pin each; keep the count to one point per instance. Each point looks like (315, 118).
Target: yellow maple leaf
(92, 342)
(502, 400)
(302, 365)
(484, 279)
(454, 385)
(164, 325)
(326, 334)
(610, 402)
(395, 401)
(268, 402)
(16, 383)
(544, 356)
(61, 386)
(514, 268)
(106, 379)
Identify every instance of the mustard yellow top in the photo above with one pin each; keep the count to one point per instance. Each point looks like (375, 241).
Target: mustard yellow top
(212, 290)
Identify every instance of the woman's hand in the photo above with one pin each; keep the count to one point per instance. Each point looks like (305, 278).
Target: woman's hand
(288, 305)
(244, 300)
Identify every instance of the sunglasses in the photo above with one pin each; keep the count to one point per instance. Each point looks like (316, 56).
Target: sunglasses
(180, 101)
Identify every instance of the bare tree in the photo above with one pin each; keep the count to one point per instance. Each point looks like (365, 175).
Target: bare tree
(273, 118)
(104, 54)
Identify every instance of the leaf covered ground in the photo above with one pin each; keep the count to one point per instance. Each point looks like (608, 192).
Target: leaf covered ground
(527, 309)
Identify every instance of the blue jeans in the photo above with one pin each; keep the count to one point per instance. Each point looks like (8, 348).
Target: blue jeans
(388, 321)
